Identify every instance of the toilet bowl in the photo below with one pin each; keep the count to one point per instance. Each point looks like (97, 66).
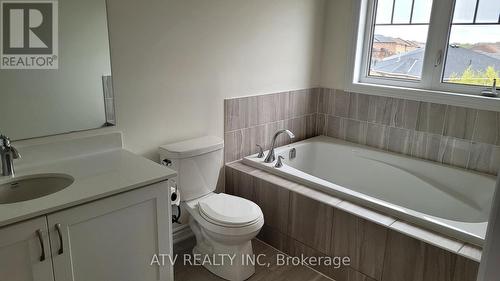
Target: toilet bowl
(223, 224)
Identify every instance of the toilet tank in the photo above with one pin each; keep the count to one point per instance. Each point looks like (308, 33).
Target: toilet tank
(198, 163)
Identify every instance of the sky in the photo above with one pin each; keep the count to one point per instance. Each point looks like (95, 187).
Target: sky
(488, 11)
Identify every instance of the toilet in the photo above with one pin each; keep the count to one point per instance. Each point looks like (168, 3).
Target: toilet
(223, 224)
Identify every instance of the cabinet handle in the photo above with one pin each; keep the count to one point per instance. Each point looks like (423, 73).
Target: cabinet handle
(40, 239)
(61, 247)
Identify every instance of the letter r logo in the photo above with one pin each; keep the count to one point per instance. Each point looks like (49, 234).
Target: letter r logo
(27, 27)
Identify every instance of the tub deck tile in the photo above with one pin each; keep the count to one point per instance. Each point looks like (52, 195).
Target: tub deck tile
(471, 252)
(427, 236)
(367, 214)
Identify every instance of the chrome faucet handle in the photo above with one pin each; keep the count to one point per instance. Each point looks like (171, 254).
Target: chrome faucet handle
(4, 141)
(261, 151)
(15, 153)
(279, 163)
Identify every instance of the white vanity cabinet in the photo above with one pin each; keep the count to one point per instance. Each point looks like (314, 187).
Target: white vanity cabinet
(111, 239)
(21, 255)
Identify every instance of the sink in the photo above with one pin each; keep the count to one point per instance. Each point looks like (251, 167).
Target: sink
(31, 187)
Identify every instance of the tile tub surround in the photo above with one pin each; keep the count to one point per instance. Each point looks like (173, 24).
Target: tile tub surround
(457, 136)
(300, 220)
(249, 121)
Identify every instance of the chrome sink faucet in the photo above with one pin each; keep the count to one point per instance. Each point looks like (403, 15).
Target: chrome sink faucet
(7, 155)
(270, 156)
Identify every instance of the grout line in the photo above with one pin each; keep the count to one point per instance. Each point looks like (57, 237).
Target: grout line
(272, 122)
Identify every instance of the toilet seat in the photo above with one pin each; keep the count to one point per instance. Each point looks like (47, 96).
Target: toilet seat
(229, 211)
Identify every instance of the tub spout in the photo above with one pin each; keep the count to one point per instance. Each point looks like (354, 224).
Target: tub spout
(270, 155)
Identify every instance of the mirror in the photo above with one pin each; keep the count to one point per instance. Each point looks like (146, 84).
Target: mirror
(55, 68)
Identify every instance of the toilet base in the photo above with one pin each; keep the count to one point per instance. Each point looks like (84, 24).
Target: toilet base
(208, 247)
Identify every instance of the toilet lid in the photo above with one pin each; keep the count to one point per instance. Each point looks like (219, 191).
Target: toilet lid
(229, 210)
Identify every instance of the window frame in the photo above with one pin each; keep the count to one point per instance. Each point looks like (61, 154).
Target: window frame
(429, 88)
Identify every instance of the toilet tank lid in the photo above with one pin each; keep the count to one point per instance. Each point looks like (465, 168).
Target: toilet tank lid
(192, 147)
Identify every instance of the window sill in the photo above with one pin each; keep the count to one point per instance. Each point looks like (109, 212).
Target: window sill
(449, 98)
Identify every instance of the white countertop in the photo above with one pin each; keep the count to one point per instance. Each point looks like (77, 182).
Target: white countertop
(95, 176)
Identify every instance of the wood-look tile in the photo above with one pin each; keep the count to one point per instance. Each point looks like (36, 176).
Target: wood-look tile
(269, 272)
(253, 136)
(384, 112)
(465, 270)
(240, 184)
(311, 125)
(431, 117)
(399, 140)
(410, 115)
(376, 135)
(404, 258)
(454, 151)
(303, 102)
(335, 127)
(321, 124)
(233, 143)
(439, 264)
(487, 127)
(273, 237)
(339, 104)
(272, 107)
(274, 202)
(358, 106)
(482, 157)
(425, 145)
(355, 131)
(310, 222)
(235, 114)
(361, 240)
(324, 100)
(460, 122)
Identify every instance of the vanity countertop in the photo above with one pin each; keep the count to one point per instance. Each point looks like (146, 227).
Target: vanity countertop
(95, 176)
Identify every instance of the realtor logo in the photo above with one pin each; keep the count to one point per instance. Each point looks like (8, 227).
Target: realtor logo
(29, 32)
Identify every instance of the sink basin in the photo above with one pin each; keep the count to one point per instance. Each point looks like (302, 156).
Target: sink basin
(31, 187)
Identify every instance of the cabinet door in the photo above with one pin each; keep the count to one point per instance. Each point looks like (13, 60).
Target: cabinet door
(22, 256)
(113, 239)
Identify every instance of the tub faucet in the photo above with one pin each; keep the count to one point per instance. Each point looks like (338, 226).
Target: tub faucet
(7, 154)
(270, 156)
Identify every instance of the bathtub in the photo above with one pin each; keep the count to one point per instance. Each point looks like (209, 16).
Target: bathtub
(452, 201)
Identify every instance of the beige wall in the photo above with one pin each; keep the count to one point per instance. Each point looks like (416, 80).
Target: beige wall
(336, 48)
(175, 61)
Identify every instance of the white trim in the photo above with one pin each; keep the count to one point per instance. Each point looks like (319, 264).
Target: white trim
(424, 90)
(181, 233)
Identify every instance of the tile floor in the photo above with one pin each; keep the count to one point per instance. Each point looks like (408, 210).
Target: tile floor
(273, 272)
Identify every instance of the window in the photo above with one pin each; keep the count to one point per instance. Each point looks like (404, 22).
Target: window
(440, 45)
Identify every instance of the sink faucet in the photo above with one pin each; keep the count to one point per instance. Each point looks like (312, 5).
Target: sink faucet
(7, 154)
(270, 156)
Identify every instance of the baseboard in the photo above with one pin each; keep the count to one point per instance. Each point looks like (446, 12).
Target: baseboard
(182, 233)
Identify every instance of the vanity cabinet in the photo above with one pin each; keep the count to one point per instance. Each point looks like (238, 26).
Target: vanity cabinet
(21, 255)
(108, 239)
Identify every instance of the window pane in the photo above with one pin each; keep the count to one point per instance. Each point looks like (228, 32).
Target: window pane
(464, 11)
(398, 51)
(402, 11)
(384, 11)
(488, 11)
(473, 55)
(422, 11)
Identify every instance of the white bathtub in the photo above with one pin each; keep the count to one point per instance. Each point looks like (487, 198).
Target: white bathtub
(449, 200)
